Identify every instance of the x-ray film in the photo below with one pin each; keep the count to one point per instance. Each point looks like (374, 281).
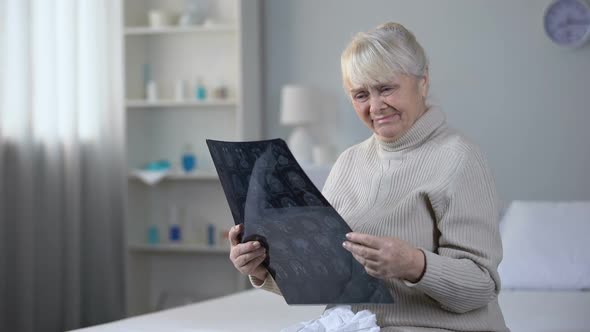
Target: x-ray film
(279, 206)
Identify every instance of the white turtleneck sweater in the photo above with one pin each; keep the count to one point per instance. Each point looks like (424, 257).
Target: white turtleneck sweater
(431, 187)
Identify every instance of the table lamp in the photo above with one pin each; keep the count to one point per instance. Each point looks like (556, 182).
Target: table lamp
(297, 111)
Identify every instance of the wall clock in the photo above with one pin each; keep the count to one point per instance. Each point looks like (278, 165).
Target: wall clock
(567, 22)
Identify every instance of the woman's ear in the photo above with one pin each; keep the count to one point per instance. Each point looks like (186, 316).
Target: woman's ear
(424, 84)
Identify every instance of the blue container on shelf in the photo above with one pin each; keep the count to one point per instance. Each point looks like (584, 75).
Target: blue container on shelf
(200, 90)
(211, 235)
(188, 158)
(175, 233)
(189, 162)
(158, 165)
(153, 235)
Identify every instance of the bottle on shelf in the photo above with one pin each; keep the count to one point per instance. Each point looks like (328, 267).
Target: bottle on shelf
(147, 76)
(175, 232)
(191, 230)
(179, 90)
(153, 226)
(220, 91)
(200, 90)
(211, 235)
(151, 88)
(151, 91)
(153, 234)
(188, 159)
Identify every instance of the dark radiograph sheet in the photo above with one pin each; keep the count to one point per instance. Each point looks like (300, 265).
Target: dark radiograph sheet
(270, 194)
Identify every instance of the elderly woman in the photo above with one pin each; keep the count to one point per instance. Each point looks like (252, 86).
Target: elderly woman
(418, 195)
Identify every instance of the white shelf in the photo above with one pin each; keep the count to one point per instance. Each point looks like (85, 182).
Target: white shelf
(194, 176)
(142, 103)
(179, 248)
(146, 30)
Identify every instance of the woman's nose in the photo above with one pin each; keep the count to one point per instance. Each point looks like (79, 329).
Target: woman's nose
(376, 104)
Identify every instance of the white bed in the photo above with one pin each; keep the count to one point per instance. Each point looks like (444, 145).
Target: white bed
(544, 311)
(545, 275)
(546, 267)
(257, 310)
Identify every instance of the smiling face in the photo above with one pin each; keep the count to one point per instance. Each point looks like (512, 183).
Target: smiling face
(391, 108)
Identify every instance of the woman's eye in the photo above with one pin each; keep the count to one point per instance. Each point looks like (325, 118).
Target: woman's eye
(360, 96)
(388, 89)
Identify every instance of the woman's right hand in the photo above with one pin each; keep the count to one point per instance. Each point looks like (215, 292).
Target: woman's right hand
(247, 257)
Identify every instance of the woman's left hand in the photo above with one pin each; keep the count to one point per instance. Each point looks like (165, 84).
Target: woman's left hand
(386, 257)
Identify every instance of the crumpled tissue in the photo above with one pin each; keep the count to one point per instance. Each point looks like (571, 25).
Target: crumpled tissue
(338, 319)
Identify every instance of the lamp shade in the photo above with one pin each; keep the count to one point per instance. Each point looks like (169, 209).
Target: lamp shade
(296, 105)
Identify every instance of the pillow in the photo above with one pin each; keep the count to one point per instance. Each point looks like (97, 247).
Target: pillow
(546, 245)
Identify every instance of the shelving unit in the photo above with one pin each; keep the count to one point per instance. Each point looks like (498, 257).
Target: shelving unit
(225, 52)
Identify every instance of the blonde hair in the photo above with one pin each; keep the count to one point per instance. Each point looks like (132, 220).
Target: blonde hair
(376, 56)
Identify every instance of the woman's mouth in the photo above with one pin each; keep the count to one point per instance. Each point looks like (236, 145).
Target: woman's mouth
(386, 118)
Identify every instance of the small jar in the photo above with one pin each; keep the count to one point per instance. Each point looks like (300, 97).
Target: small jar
(188, 159)
(200, 90)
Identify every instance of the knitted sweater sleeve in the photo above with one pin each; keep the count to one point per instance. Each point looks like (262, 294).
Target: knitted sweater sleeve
(462, 274)
(269, 284)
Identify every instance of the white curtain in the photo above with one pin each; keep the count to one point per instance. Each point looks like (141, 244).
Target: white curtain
(62, 164)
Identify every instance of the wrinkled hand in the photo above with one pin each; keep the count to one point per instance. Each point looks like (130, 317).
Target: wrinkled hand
(247, 257)
(386, 257)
